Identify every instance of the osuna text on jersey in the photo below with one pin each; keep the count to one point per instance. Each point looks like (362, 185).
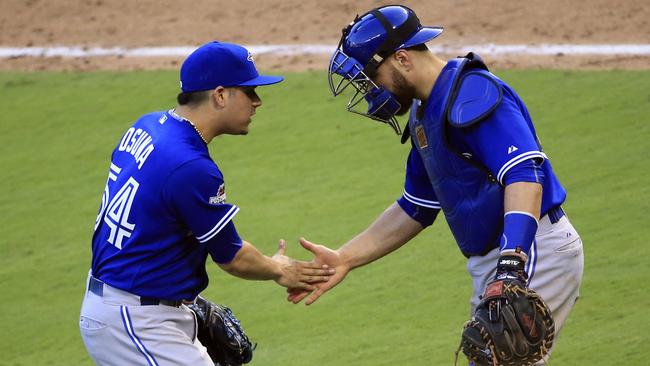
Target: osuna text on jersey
(138, 143)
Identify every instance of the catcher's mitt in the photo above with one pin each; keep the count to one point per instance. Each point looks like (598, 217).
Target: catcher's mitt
(221, 333)
(511, 326)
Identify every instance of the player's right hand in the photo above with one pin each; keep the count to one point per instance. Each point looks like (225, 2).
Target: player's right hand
(322, 256)
(300, 274)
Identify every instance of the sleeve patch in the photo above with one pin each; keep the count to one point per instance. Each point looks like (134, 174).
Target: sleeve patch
(220, 198)
(478, 95)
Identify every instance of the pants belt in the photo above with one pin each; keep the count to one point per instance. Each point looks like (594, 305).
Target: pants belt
(97, 287)
(555, 214)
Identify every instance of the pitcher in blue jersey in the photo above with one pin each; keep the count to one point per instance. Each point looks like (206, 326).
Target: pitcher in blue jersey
(475, 155)
(164, 210)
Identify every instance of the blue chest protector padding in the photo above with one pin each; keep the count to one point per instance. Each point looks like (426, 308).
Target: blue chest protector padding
(476, 97)
(470, 197)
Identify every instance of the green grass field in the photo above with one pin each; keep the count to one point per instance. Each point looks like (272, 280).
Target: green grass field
(308, 168)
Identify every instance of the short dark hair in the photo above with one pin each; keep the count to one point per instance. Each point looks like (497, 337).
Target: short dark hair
(418, 47)
(192, 98)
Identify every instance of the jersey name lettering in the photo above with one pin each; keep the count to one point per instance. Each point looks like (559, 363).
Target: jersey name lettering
(138, 144)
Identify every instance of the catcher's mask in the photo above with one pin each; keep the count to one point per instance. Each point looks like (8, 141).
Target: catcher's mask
(364, 45)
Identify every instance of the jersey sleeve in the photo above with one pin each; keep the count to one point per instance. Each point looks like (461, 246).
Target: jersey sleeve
(196, 193)
(224, 246)
(418, 199)
(505, 138)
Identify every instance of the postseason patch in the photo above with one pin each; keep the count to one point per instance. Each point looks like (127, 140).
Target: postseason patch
(422, 138)
(220, 198)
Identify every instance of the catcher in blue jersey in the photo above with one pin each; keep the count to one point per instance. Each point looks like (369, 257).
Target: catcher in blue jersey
(163, 211)
(476, 157)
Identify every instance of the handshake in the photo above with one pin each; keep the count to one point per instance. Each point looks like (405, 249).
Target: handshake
(218, 328)
(305, 278)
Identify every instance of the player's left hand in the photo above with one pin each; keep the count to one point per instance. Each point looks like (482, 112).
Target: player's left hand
(221, 333)
(323, 255)
(300, 274)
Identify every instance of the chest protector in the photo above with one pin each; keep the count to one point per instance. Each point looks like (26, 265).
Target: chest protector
(470, 196)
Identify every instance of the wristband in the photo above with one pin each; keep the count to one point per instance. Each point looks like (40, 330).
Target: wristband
(519, 230)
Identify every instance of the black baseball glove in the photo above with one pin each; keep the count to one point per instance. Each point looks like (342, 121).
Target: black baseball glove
(221, 333)
(512, 325)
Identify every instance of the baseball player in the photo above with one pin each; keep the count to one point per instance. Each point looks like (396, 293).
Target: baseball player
(475, 155)
(164, 210)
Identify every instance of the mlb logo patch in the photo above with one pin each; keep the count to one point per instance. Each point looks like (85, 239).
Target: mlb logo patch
(220, 197)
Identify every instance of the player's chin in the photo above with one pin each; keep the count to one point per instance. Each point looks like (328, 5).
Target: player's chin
(238, 131)
(244, 130)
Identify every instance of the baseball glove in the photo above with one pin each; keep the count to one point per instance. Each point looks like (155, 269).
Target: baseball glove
(511, 326)
(221, 333)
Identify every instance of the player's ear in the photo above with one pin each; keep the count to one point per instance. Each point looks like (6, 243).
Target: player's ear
(218, 96)
(402, 59)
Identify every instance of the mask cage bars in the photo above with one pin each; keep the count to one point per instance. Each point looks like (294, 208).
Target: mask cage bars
(350, 72)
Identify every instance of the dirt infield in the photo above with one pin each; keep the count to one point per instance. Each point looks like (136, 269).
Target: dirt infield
(124, 23)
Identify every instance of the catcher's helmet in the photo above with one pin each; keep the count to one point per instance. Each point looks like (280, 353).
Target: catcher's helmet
(365, 43)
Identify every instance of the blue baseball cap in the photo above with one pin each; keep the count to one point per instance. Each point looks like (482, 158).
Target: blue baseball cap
(221, 64)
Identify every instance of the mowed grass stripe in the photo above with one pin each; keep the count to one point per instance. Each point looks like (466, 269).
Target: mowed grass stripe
(308, 168)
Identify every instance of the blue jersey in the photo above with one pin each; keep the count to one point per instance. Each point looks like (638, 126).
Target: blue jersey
(163, 211)
(504, 144)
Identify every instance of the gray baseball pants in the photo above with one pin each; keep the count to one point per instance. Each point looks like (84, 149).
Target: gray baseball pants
(117, 330)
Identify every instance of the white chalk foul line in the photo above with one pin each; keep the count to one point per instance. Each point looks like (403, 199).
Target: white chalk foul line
(323, 49)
